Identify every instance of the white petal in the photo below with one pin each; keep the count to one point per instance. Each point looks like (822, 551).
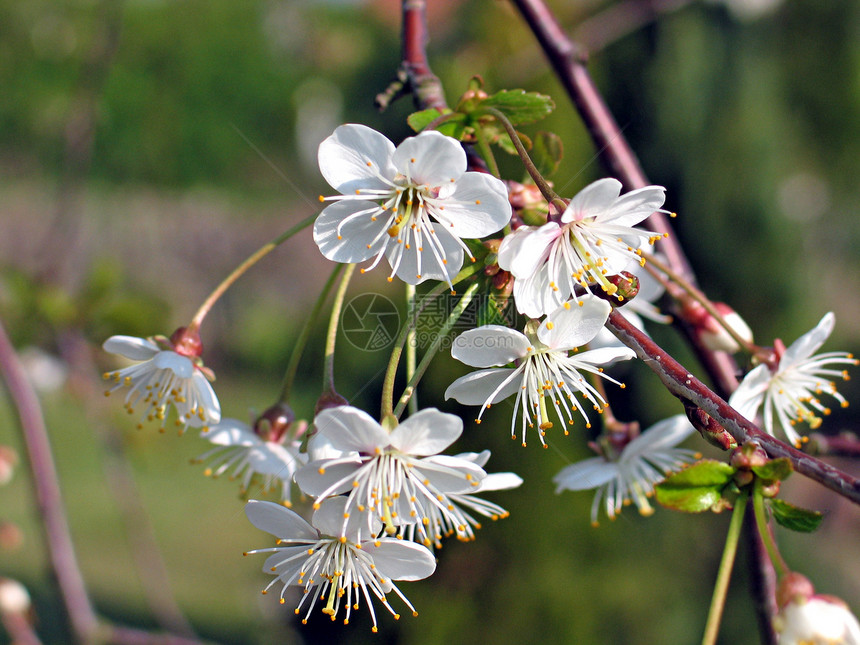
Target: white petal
(426, 433)
(351, 245)
(206, 400)
(344, 156)
(431, 158)
(430, 267)
(808, 344)
(605, 355)
(278, 520)
(315, 483)
(631, 208)
(231, 432)
(400, 560)
(586, 474)
(529, 249)
(475, 388)
(533, 295)
(667, 433)
(593, 200)
(276, 460)
(330, 519)
(351, 429)
(137, 349)
(500, 481)
(476, 207)
(575, 324)
(179, 365)
(489, 346)
(450, 474)
(750, 393)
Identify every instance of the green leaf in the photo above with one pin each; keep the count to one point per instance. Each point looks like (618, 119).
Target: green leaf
(494, 309)
(774, 470)
(547, 152)
(795, 518)
(454, 127)
(697, 488)
(520, 106)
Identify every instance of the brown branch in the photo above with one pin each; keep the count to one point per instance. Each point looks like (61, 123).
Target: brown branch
(414, 75)
(47, 488)
(680, 382)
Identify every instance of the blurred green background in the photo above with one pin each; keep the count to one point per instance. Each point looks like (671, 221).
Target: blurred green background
(147, 147)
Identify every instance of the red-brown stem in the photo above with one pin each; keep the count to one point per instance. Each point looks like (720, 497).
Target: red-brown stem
(58, 538)
(425, 87)
(680, 382)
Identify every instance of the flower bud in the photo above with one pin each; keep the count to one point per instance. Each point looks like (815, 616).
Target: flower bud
(14, 598)
(711, 431)
(808, 618)
(748, 455)
(274, 423)
(186, 342)
(710, 332)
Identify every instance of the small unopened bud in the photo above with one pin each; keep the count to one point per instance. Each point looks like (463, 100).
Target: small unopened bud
(748, 455)
(8, 461)
(806, 617)
(274, 423)
(14, 598)
(187, 342)
(711, 430)
(711, 332)
(329, 399)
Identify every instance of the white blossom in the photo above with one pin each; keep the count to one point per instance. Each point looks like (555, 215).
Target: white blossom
(545, 369)
(246, 456)
(331, 560)
(412, 204)
(161, 378)
(396, 478)
(630, 476)
(594, 239)
(819, 620)
(791, 391)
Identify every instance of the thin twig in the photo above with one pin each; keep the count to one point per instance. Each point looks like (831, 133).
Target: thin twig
(47, 488)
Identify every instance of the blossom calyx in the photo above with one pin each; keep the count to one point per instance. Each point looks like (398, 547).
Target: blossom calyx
(274, 423)
(808, 618)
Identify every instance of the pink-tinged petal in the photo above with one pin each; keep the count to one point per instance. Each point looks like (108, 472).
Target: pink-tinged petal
(409, 268)
(750, 393)
(667, 433)
(430, 158)
(230, 432)
(351, 429)
(318, 477)
(179, 365)
(279, 521)
(475, 388)
(631, 208)
(574, 323)
(400, 560)
(449, 474)
(426, 433)
(530, 249)
(137, 349)
(592, 201)
(586, 474)
(808, 344)
(345, 155)
(350, 244)
(476, 206)
(489, 346)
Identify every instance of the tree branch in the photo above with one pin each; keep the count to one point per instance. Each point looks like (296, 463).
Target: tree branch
(687, 387)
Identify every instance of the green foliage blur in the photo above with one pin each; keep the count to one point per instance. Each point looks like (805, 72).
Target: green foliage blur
(147, 147)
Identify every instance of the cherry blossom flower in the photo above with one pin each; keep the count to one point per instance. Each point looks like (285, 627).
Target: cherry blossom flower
(160, 378)
(248, 456)
(630, 475)
(545, 368)
(332, 562)
(412, 204)
(791, 391)
(807, 618)
(458, 521)
(595, 238)
(398, 477)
